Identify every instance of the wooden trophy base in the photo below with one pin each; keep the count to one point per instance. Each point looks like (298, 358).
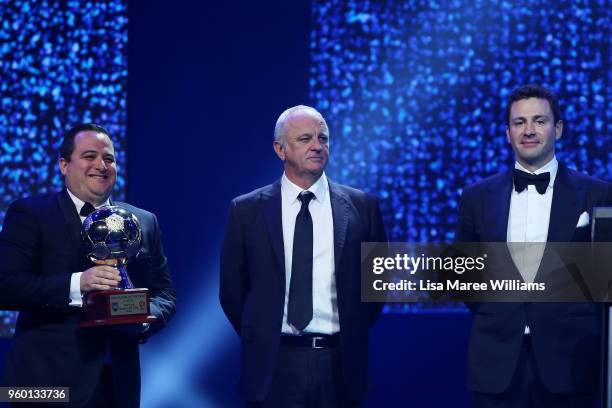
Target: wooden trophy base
(119, 306)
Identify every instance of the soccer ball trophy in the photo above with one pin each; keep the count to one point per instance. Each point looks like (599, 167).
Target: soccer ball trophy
(112, 236)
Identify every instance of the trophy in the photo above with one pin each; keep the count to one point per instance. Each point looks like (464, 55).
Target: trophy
(112, 236)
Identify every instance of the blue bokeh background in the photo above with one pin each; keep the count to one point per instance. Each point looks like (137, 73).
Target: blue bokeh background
(61, 63)
(414, 93)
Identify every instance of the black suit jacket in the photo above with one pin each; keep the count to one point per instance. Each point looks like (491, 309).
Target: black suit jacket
(252, 289)
(566, 337)
(40, 248)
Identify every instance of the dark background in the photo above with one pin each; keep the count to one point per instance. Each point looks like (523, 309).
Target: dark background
(206, 85)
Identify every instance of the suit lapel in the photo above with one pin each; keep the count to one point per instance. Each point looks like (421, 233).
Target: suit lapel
(340, 214)
(272, 209)
(496, 212)
(71, 218)
(565, 208)
(564, 212)
(497, 209)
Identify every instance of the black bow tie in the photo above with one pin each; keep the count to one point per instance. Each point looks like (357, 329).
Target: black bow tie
(522, 180)
(86, 210)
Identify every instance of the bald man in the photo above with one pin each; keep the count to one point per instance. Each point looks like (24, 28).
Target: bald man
(290, 276)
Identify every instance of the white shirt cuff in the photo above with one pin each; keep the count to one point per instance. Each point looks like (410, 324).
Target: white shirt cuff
(76, 297)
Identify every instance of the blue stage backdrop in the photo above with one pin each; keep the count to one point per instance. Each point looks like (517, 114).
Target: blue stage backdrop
(61, 63)
(414, 91)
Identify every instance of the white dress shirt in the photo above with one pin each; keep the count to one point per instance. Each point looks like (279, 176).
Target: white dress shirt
(76, 297)
(528, 222)
(325, 300)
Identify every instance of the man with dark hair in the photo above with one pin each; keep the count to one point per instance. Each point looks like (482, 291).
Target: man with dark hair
(295, 301)
(44, 275)
(534, 91)
(533, 354)
(67, 146)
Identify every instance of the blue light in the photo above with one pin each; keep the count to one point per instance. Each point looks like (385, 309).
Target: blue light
(432, 79)
(47, 74)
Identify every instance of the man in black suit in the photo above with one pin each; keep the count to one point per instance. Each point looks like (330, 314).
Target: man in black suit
(44, 275)
(533, 354)
(290, 277)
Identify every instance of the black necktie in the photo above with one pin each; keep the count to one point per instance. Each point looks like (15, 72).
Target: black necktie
(299, 311)
(86, 210)
(522, 180)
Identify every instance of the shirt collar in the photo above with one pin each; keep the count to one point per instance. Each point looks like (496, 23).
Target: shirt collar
(551, 167)
(291, 190)
(78, 203)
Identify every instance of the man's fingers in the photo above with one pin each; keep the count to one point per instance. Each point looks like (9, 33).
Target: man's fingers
(100, 277)
(107, 272)
(114, 275)
(97, 286)
(107, 282)
(103, 284)
(108, 269)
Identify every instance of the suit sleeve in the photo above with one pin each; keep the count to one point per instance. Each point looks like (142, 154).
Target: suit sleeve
(378, 233)
(465, 231)
(234, 279)
(163, 295)
(465, 220)
(609, 194)
(22, 285)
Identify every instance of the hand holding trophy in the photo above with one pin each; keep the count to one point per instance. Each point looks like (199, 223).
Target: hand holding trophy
(112, 236)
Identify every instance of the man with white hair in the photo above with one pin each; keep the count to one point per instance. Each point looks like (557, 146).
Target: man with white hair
(290, 276)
